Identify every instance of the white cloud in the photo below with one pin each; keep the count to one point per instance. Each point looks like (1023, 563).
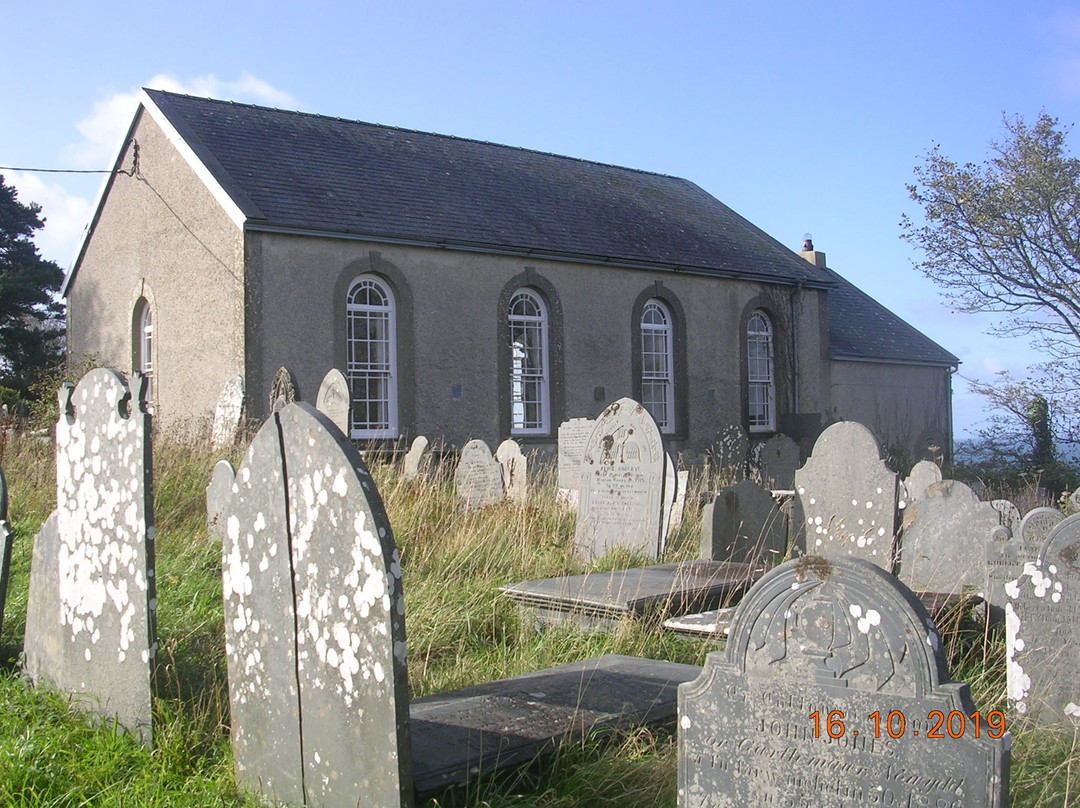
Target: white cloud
(66, 215)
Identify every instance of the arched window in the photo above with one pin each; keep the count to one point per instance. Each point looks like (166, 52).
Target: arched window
(142, 342)
(371, 358)
(530, 394)
(760, 378)
(657, 364)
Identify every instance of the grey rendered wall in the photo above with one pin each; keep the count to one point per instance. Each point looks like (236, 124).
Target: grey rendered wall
(162, 235)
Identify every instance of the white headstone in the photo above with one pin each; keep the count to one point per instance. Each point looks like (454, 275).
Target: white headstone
(228, 414)
(334, 399)
(415, 457)
(479, 477)
(514, 470)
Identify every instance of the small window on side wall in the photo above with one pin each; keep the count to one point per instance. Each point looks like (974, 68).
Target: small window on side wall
(761, 392)
(142, 343)
(371, 358)
(657, 364)
(530, 394)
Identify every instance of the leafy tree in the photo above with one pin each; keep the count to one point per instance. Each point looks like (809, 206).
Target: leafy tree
(31, 318)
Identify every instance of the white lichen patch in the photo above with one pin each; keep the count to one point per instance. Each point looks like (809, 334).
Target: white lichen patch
(1018, 682)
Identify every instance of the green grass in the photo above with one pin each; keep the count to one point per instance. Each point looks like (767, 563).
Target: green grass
(460, 632)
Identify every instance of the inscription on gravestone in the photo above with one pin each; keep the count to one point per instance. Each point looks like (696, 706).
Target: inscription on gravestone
(1037, 524)
(283, 389)
(1010, 515)
(479, 477)
(334, 399)
(573, 435)
(1005, 560)
(840, 640)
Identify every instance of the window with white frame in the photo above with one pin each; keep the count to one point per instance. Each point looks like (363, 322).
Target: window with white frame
(762, 383)
(143, 333)
(371, 358)
(530, 395)
(657, 364)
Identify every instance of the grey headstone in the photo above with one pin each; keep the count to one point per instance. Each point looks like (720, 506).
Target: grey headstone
(845, 497)
(218, 494)
(92, 597)
(573, 435)
(744, 524)
(228, 414)
(923, 475)
(335, 400)
(1010, 515)
(832, 638)
(1006, 558)
(282, 389)
(778, 460)
(479, 477)
(514, 470)
(314, 622)
(678, 507)
(729, 453)
(1037, 524)
(944, 539)
(671, 492)
(622, 483)
(1042, 631)
(415, 457)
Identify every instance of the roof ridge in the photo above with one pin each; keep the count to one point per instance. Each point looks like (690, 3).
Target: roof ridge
(407, 130)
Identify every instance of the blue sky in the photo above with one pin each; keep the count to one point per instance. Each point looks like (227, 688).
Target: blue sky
(801, 118)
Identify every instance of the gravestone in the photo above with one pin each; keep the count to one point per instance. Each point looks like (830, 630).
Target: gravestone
(943, 543)
(622, 483)
(777, 462)
(671, 493)
(282, 389)
(91, 602)
(729, 453)
(1074, 501)
(825, 694)
(678, 507)
(314, 622)
(514, 470)
(744, 524)
(573, 435)
(479, 477)
(1038, 522)
(845, 497)
(415, 458)
(923, 475)
(218, 494)
(1010, 515)
(1042, 630)
(228, 414)
(334, 399)
(1006, 557)
(6, 541)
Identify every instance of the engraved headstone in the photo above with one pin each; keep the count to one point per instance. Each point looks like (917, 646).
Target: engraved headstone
(622, 483)
(1042, 631)
(314, 623)
(416, 458)
(514, 470)
(923, 475)
(573, 435)
(1037, 524)
(777, 462)
(479, 477)
(729, 453)
(91, 604)
(282, 389)
(1006, 557)
(833, 640)
(944, 538)
(1010, 515)
(845, 497)
(218, 494)
(744, 524)
(228, 414)
(335, 400)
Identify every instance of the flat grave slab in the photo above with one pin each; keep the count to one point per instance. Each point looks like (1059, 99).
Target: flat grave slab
(459, 736)
(713, 623)
(597, 598)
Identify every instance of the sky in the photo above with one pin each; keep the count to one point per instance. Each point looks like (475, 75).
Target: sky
(803, 118)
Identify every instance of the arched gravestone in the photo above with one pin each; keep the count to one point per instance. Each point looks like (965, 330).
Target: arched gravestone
(218, 494)
(283, 389)
(515, 470)
(334, 399)
(415, 457)
(778, 459)
(845, 497)
(478, 478)
(1042, 630)
(314, 623)
(1038, 522)
(228, 413)
(923, 475)
(832, 639)
(91, 603)
(622, 483)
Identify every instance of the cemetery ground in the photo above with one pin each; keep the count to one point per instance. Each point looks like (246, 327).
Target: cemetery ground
(460, 632)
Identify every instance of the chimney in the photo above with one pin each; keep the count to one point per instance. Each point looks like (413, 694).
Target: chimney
(810, 254)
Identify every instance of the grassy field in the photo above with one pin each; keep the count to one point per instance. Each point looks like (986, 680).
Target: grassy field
(460, 632)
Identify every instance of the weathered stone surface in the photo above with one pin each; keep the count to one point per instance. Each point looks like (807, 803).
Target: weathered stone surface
(1074, 501)
(923, 475)
(819, 639)
(778, 459)
(6, 541)
(944, 540)
(667, 502)
(1006, 558)
(1037, 524)
(729, 453)
(314, 622)
(845, 497)
(283, 389)
(1042, 630)
(334, 399)
(1010, 515)
(416, 458)
(218, 494)
(622, 483)
(3, 496)
(514, 470)
(678, 507)
(92, 600)
(744, 524)
(479, 476)
(573, 435)
(228, 414)
(711, 623)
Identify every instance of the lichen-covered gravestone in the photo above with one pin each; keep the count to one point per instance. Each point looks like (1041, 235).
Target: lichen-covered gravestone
(845, 497)
(573, 435)
(335, 400)
(729, 453)
(91, 603)
(1010, 515)
(622, 483)
(778, 459)
(514, 470)
(314, 623)
(1038, 522)
(744, 524)
(478, 478)
(1042, 630)
(1006, 557)
(218, 494)
(283, 389)
(832, 692)
(923, 475)
(5, 546)
(944, 539)
(228, 413)
(415, 458)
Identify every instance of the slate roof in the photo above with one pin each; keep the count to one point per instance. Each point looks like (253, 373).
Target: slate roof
(310, 173)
